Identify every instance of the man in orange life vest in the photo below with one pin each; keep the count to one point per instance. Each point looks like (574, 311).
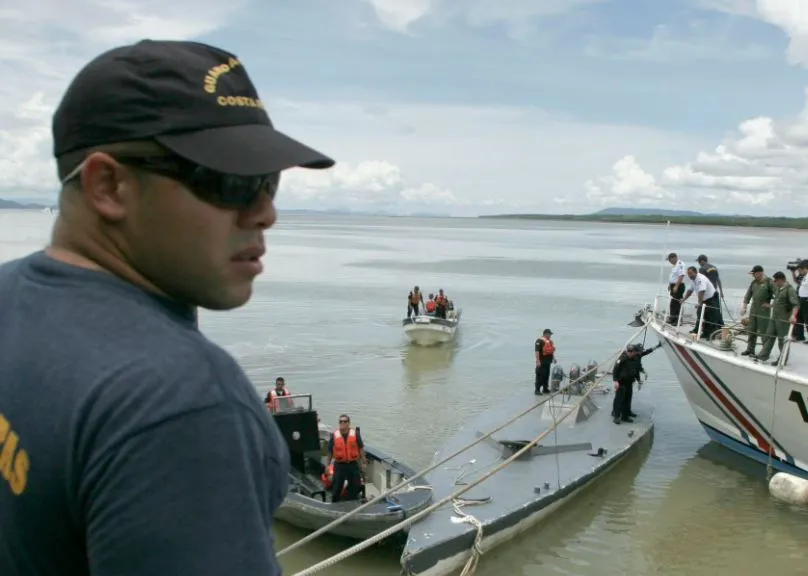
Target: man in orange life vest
(346, 450)
(414, 302)
(442, 304)
(430, 304)
(545, 357)
(273, 399)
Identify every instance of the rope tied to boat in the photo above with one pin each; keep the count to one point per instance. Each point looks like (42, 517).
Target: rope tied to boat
(466, 518)
(355, 549)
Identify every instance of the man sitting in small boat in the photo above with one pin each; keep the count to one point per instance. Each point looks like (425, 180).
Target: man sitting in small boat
(274, 399)
(430, 305)
(414, 300)
(346, 450)
(442, 303)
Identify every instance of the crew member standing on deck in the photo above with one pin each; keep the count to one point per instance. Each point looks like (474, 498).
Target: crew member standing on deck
(545, 357)
(707, 298)
(676, 287)
(347, 451)
(784, 307)
(414, 301)
(760, 292)
(625, 371)
(639, 353)
(711, 272)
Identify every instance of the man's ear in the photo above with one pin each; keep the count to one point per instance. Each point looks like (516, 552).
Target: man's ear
(107, 186)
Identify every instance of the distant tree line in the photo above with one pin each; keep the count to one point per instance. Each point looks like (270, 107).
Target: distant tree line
(711, 220)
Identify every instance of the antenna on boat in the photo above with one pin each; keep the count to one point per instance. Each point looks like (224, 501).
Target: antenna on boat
(662, 264)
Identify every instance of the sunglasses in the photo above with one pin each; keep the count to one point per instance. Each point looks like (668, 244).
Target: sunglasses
(225, 190)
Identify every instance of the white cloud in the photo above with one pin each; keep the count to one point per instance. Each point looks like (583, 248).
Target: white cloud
(371, 184)
(762, 167)
(398, 15)
(791, 16)
(490, 158)
(43, 46)
(628, 185)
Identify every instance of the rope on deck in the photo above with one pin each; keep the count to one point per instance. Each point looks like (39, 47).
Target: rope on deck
(328, 562)
(386, 493)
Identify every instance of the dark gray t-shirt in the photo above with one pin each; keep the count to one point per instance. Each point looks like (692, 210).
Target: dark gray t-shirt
(130, 445)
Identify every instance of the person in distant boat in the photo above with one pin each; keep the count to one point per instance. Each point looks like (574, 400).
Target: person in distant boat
(347, 452)
(442, 304)
(711, 272)
(545, 357)
(707, 295)
(414, 302)
(676, 287)
(760, 292)
(275, 400)
(785, 307)
(430, 305)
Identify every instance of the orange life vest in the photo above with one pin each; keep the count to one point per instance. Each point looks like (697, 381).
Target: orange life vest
(430, 306)
(548, 348)
(327, 478)
(273, 398)
(441, 300)
(415, 297)
(346, 451)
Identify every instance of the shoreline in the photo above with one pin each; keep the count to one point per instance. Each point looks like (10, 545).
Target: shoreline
(777, 222)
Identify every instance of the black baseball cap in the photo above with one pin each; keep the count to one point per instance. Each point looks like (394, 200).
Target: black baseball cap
(756, 268)
(194, 99)
(547, 331)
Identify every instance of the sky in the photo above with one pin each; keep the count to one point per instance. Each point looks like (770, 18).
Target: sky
(467, 107)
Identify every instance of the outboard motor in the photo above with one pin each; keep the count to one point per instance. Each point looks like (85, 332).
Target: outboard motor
(592, 371)
(576, 385)
(301, 432)
(556, 377)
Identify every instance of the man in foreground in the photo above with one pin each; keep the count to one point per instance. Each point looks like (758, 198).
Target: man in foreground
(130, 443)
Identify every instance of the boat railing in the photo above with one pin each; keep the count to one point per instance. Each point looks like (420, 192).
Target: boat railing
(732, 330)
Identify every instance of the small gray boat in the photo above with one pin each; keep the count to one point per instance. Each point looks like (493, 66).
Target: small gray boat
(584, 446)
(308, 504)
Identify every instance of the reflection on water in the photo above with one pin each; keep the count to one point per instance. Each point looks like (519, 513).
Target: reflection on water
(427, 364)
(327, 314)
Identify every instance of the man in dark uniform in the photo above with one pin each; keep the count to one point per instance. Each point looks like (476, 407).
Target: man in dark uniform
(346, 466)
(626, 370)
(709, 270)
(639, 354)
(545, 357)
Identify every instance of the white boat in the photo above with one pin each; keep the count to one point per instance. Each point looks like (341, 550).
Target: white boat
(753, 408)
(428, 329)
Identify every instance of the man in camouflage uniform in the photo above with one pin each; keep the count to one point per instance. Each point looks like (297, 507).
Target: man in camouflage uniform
(785, 307)
(760, 293)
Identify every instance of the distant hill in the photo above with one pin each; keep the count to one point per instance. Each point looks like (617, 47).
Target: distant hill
(616, 211)
(12, 205)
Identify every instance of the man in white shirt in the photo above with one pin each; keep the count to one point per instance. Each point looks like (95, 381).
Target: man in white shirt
(676, 287)
(707, 294)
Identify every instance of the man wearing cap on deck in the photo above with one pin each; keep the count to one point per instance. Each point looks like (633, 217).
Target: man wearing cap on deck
(132, 444)
(760, 292)
(711, 272)
(784, 307)
(676, 287)
(545, 357)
